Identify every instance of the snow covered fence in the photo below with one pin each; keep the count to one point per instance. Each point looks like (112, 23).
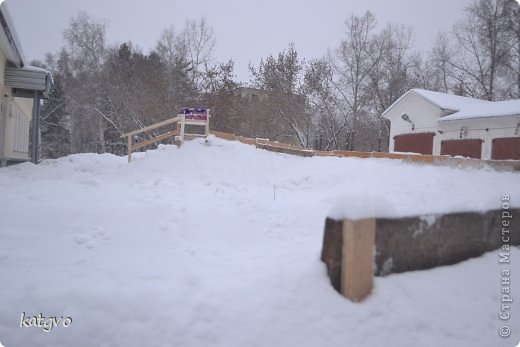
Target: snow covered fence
(442, 160)
(407, 244)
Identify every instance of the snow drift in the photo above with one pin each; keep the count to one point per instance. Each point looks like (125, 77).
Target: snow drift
(218, 244)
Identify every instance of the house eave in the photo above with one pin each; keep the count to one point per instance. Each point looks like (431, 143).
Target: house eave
(9, 42)
(27, 80)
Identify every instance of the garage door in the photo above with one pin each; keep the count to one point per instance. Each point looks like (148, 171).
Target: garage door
(417, 143)
(465, 148)
(506, 148)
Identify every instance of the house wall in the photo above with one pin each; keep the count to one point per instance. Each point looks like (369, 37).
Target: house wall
(3, 109)
(422, 113)
(15, 119)
(486, 129)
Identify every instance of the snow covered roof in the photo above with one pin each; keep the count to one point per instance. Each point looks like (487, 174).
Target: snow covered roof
(464, 107)
(444, 101)
(447, 101)
(27, 80)
(488, 109)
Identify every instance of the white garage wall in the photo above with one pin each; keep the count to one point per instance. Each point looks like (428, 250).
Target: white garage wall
(422, 113)
(497, 127)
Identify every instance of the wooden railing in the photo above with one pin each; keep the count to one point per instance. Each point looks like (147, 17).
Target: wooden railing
(179, 131)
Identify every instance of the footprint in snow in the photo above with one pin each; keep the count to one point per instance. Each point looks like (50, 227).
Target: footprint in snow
(81, 238)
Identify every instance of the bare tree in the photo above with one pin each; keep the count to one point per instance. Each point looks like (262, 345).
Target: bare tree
(439, 70)
(171, 46)
(513, 64)
(83, 58)
(395, 65)
(352, 66)
(483, 37)
(85, 38)
(329, 119)
(199, 42)
(218, 93)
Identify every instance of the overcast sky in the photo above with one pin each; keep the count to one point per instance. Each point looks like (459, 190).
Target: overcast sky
(245, 30)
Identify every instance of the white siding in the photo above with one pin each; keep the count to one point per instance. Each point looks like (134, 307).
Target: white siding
(2, 67)
(20, 140)
(15, 122)
(3, 110)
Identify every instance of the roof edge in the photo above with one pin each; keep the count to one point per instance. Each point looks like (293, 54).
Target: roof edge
(414, 91)
(383, 115)
(442, 119)
(13, 41)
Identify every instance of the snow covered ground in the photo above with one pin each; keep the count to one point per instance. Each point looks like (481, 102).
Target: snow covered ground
(218, 244)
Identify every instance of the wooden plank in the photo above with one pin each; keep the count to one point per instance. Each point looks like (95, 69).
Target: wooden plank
(325, 154)
(183, 128)
(155, 139)
(129, 148)
(352, 154)
(357, 269)
(381, 155)
(421, 158)
(195, 122)
(223, 135)
(206, 132)
(286, 149)
(153, 126)
(247, 140)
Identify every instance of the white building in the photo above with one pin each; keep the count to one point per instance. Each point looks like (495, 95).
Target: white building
(22, 88)
(435, 123)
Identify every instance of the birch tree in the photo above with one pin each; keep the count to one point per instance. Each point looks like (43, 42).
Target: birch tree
(199, 43)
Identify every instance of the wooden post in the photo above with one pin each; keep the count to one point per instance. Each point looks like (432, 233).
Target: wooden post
(357, 268)
(183, 126)
(129, 148)
(206, 132)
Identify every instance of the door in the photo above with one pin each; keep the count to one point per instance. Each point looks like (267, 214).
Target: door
(417, 143)
(506, 148)
(465, 148)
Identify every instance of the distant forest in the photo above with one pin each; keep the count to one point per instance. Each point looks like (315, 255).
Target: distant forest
(102, 91)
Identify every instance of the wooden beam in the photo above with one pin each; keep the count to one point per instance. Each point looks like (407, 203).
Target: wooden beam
(206, 131)
(357, 268)
(155, 139)
(183, 127)
(195, 122)
(129, 148)
(154, 126)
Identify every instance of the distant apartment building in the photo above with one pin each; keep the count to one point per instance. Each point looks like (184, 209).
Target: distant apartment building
(251, 94)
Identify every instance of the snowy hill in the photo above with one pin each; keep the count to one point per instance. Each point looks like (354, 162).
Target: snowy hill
(218, 244)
